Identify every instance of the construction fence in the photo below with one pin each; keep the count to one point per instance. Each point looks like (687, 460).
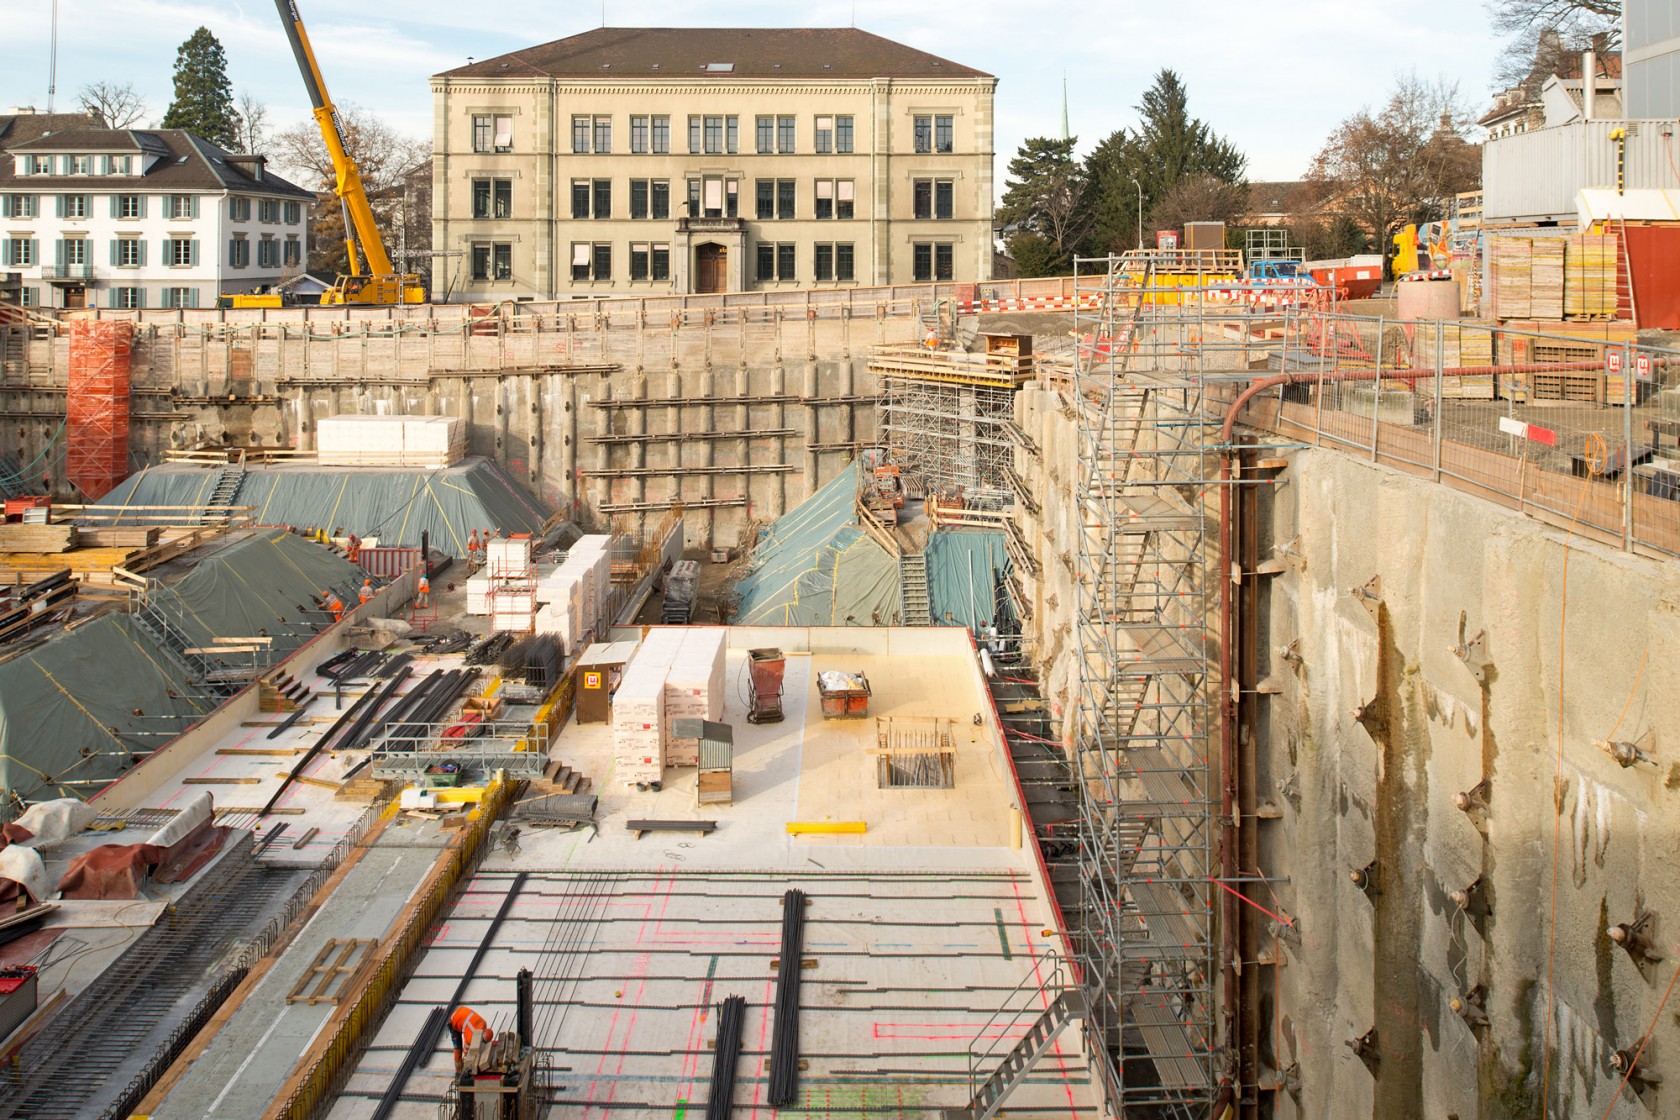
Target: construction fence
(1580, 431)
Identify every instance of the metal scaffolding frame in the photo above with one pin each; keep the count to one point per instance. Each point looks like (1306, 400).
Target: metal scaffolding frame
(1143, 929)
(947, 416)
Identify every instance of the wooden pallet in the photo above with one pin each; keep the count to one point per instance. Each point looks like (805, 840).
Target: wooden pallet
(333, 973)
(1575, 386)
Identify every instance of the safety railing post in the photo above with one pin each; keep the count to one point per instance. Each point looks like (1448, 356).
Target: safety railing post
(1376, 397)
(1630, 397)
(1435, 418)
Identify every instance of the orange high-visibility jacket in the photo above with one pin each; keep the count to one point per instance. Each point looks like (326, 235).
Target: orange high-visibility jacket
(467, 1025)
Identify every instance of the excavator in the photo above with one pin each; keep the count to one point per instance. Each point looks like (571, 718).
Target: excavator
(379, 284)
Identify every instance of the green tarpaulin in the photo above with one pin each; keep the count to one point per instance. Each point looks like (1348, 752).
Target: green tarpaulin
(394, 505)
(815, 567)
(964, 567)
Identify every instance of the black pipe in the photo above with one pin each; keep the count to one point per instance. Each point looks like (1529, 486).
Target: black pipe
(784, 1045)
(358, 714)
(523, 990)
(721, 1097)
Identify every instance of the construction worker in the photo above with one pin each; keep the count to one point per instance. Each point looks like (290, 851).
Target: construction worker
(366, 592)
(472, 550)
(354, 549)
(467, 1029)
(423, 591)
(336, 606)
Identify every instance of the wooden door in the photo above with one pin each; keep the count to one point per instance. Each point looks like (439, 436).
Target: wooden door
(711, 264)
(75, 297)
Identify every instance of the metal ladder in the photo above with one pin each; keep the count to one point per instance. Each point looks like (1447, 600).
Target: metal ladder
(228, 482)
(913, 590)
(1056, 1005)
(170, 638)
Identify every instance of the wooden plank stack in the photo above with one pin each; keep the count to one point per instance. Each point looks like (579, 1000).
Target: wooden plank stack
(1546, 279)
(1512, 277)
(1590, 277)
(117, 536)
(18, 537)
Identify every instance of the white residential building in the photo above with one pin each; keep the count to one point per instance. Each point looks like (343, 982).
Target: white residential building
(125, 218)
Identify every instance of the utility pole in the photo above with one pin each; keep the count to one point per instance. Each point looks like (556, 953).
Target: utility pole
(1139, 187)
(52, 61)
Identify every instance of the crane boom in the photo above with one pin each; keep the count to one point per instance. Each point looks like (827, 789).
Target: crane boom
(381, 284)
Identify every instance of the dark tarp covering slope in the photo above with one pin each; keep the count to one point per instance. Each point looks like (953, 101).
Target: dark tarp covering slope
(395, 505)
(72, 708)
(964, 567)
(815, 567)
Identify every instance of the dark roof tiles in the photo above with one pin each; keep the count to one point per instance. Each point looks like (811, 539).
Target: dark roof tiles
(719, 52)
(187, 163)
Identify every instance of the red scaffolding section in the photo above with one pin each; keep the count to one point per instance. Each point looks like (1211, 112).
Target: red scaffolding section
(96, 415)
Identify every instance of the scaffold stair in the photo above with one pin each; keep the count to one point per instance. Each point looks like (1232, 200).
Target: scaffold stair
(226, 489)
(913, 590)
(990, 1095)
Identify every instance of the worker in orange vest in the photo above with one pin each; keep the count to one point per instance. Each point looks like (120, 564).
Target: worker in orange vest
(335, 605)
(423, 592)
(355, 548)
(472, 550)
(366, 592)
(467, 1029)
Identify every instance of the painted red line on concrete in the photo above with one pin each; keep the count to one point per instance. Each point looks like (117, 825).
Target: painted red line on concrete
(763, 1034)
(1061, 1058)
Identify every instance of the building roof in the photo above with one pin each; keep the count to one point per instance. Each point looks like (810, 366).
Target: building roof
(18, 128)
(718, 52)
(187, 163)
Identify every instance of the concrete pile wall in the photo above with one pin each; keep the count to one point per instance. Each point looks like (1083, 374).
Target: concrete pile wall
(1382, 723)
(784, 391)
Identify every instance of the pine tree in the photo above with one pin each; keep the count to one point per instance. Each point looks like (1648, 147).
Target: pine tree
(1172, 144)
(203, 102)
(1044, 207)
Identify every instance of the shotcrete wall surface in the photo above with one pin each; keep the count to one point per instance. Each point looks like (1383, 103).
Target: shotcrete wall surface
(1377, 728)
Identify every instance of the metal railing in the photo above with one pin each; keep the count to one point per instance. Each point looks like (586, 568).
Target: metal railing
(1021, 1006)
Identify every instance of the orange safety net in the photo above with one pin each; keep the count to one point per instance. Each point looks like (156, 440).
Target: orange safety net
(96, 458)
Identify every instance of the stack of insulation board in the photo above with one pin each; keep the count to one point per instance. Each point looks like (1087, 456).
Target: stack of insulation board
(694, 687)
(573, 604)
(390, 441)
(1589, 278)
(638, 721)
(511, 595)
(1546, 279)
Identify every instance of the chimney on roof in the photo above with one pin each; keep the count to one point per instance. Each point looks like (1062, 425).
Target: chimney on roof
(1589, 83)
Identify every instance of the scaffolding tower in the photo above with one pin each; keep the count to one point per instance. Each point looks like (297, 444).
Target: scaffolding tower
(1143, 929)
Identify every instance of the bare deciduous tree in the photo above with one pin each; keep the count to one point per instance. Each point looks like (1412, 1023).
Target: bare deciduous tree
(1198, 198)
(111, 104)
(253, 123)
(382, 155)
(1545, 37)
(1403, 163)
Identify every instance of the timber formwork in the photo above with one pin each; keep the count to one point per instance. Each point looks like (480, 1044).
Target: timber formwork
(1144, 925)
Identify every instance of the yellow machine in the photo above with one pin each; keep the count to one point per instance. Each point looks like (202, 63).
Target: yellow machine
(379, 283)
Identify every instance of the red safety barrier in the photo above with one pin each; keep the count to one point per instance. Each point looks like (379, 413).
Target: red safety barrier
(387, 563)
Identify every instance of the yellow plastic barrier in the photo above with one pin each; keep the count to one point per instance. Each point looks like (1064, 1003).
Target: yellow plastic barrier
(800, 828)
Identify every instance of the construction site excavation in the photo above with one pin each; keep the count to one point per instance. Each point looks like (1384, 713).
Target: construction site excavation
(1163, 692)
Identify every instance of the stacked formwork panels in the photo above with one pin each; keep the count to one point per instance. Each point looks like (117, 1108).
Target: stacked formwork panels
(947, 415)
(574, 600)
(1143, 930)
(686, 664)
(694, 687)
(96, 406)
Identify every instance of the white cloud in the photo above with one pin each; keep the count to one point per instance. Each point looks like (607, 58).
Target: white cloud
(1275, 78)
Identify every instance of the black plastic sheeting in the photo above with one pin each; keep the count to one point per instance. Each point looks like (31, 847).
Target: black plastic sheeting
(394, 505)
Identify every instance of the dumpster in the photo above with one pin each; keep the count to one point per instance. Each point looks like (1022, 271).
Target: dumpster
(844, 695)
(766, 667)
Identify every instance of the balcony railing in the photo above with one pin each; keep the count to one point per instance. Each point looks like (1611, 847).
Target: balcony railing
(67, 273)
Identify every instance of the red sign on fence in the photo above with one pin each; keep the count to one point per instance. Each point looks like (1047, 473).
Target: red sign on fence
(1642, 367)
(1612, 362)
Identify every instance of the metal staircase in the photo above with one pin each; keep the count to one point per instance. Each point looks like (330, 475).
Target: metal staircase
(913, 601)
(203, 673)
(1046, 1006)
(222, 495)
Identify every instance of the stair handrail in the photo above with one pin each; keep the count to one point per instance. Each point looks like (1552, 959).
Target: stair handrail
(1049, 972)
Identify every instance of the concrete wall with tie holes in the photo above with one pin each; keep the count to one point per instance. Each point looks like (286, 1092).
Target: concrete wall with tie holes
(1436, 642)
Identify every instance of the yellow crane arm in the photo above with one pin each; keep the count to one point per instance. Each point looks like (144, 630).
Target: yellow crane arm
(359, 225)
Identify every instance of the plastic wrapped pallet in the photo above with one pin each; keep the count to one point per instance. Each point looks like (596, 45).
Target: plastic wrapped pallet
(509, 554)
(478, 595)
(694, 687)
(638, 715)
(390, 441)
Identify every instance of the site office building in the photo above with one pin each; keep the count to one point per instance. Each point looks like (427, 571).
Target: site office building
(648, 161)
(132, 219)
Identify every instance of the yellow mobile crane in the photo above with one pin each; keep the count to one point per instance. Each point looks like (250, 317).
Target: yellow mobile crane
(380, 283)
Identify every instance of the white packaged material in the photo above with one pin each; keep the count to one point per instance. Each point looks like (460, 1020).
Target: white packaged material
(478, 595)
(390, 441)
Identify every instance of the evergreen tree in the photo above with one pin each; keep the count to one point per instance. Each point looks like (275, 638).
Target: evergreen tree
(1172, 144)
(1044, 207)
(203, 102)
(1111, 198)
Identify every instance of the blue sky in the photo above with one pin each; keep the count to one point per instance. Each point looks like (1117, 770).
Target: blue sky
(1275, 77)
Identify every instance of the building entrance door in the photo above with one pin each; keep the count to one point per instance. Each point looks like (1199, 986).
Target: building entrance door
(75, 296)
(711, 268)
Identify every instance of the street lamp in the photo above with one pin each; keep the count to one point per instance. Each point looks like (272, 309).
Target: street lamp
(1139, 187)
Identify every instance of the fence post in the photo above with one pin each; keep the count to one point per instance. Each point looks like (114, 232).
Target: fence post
(1376, 397)
(1440, 390)
(1630, 394)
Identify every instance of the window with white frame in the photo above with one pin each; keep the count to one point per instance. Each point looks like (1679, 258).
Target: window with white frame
(714, 135)
(78, 165)
(126, 299)
(239, 252)
(29, 296)
(764, 132)
(784, 135)
(268, 253)
(650, 198)
(19, 206)
(713, 196)
(932, 260)
(492, 260)
(835, 198)
(492, 198)
(776, 260)
(492, 132)
(591, 261)
(129, 252)
(268, 210)
(935, 133)
(775, 199)
(932, 198)
(180, 297)
(73, 205)
(239, 209)
(179, 206)
(19, 251)
(638, 134)
(75, 251)
(293, 255)
(650, 261)
(131, 205)
(294, 213)
(180, 252)
(832, 261)
(40, 165)
(661, 135)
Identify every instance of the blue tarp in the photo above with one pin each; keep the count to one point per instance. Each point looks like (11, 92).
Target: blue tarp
(964, 567)
(815, 567)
